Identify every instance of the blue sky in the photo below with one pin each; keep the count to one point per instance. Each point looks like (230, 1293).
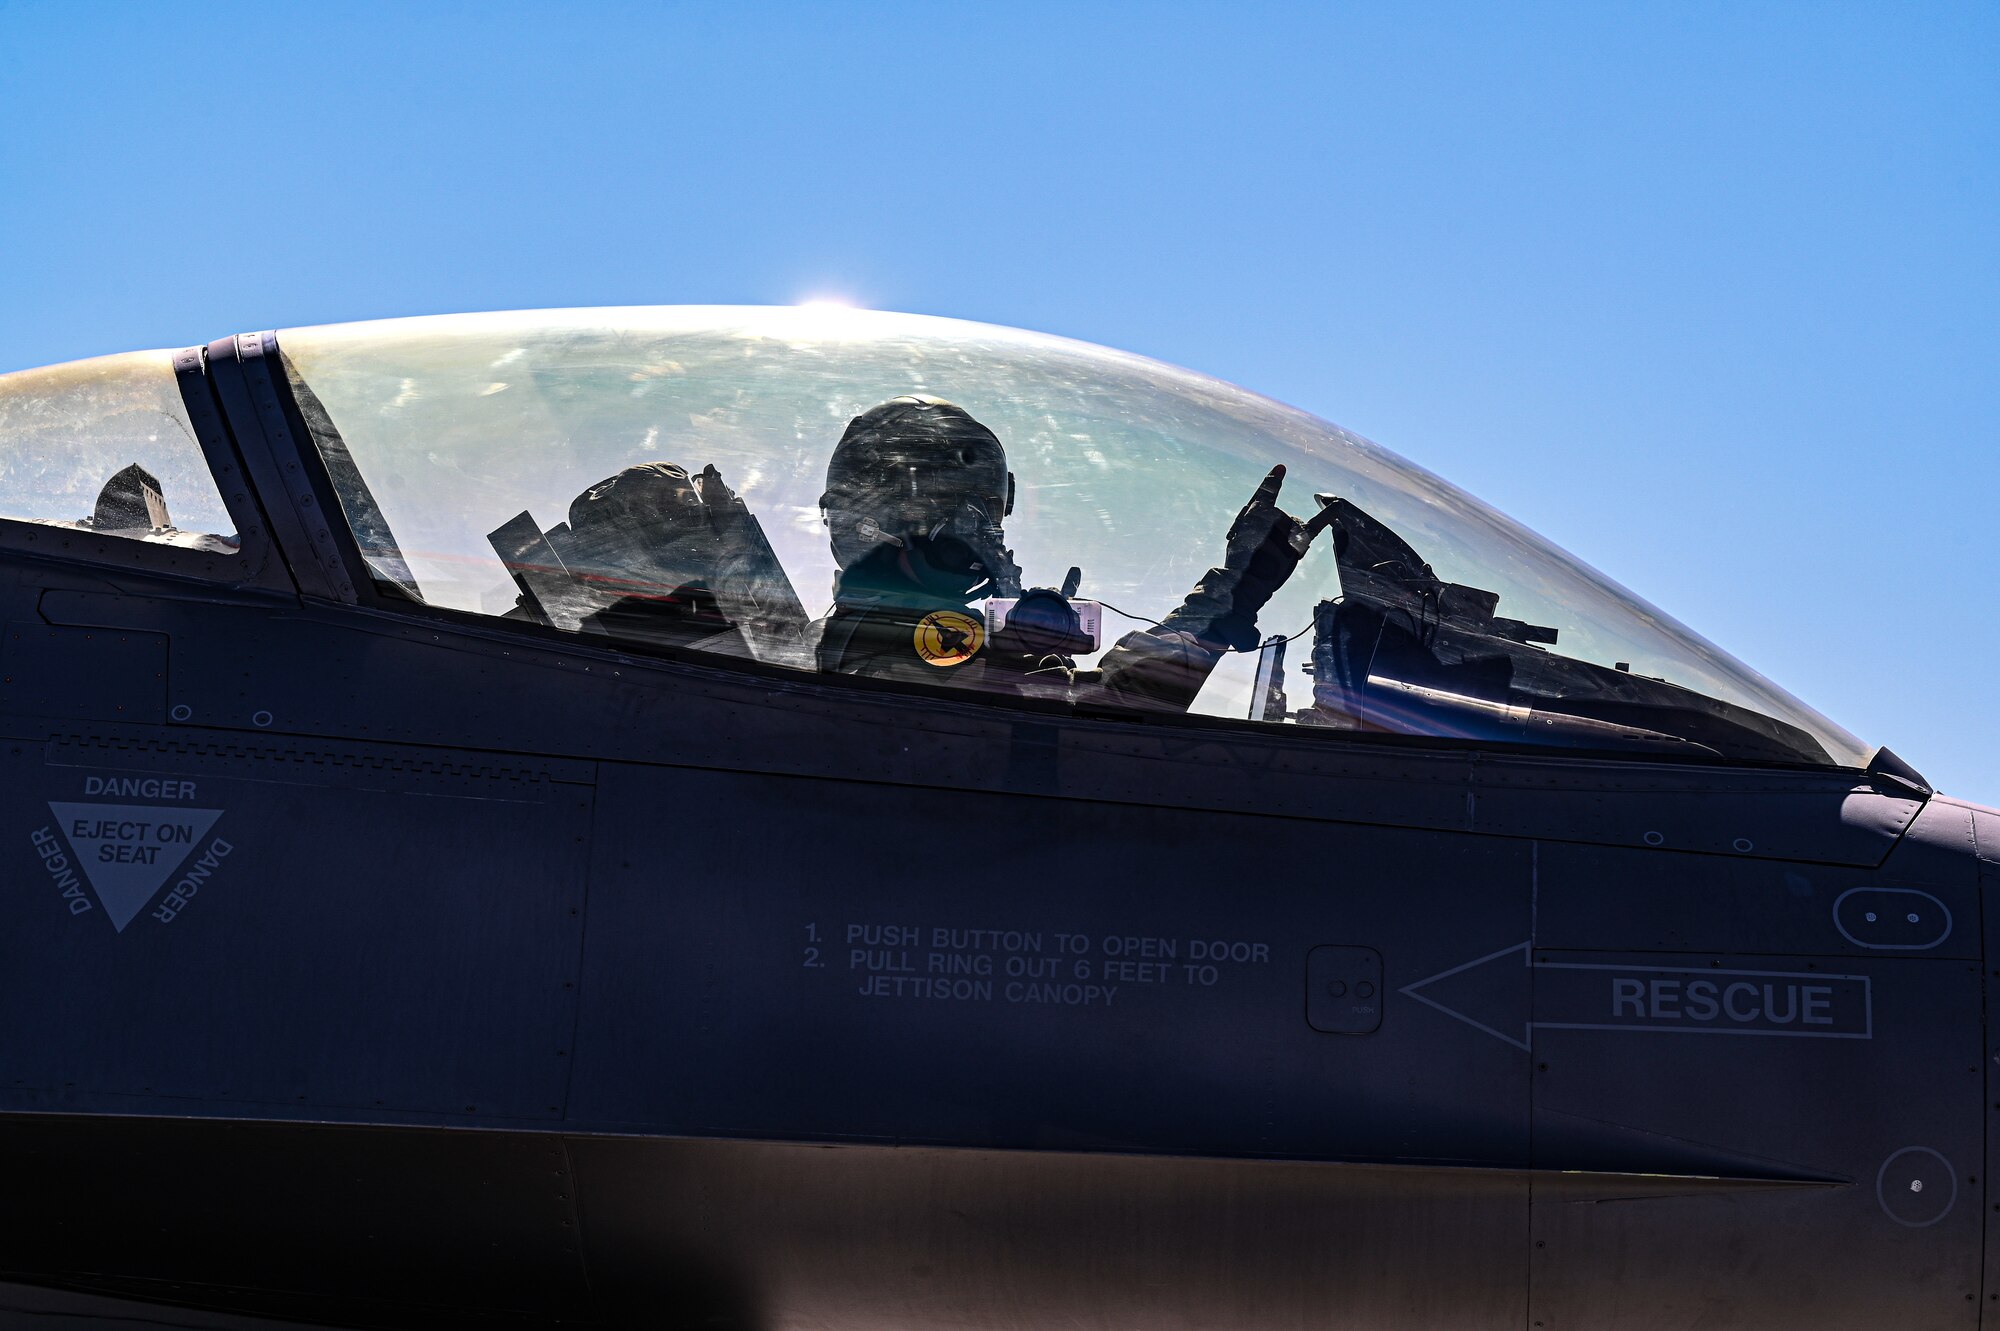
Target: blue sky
(1706, 293)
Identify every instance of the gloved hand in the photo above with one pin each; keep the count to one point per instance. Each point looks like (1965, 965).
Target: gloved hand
(1263, 546)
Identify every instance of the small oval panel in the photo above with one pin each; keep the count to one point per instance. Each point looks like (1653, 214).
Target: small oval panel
(1917, 1187)
(1891, 918)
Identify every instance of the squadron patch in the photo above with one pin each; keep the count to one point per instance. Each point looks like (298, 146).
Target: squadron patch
(948, 638)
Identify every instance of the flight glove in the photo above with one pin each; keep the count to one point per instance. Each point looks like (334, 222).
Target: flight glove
(1263, 546)
(1165, 666)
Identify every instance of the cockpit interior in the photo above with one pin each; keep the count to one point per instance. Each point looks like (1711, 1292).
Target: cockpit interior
(656, 481)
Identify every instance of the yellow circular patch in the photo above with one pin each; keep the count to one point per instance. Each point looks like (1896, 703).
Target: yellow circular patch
(948, 638)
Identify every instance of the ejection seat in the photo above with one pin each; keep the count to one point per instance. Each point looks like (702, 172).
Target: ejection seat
(654, 556)
(133, 504)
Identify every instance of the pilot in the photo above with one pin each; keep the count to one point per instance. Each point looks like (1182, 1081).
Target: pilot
(916, 492)
(641, 542)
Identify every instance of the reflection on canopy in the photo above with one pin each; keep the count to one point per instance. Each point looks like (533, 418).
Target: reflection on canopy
(104, 446)
(656, 475)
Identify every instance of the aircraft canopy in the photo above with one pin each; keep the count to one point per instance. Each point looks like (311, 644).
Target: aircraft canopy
(656, 476)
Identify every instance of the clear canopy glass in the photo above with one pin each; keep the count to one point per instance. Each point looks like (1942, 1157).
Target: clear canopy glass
(104, 445)
(479, 456)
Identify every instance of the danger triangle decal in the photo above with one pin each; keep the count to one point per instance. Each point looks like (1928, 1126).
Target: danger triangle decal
(129, 850)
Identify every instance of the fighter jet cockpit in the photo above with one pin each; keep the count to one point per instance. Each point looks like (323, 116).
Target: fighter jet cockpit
(940, 507)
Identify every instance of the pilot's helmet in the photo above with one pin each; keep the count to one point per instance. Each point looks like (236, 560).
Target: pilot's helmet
(916, 467)
(644, 528)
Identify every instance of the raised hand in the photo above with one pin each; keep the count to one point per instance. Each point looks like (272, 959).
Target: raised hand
(1265, 543)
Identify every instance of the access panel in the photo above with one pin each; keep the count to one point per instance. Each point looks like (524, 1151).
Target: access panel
(864, 966)
(1762, 1140)
(335, 929)
(821, 958)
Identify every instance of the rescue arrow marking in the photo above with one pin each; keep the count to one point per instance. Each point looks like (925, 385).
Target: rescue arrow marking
(1527, 1027)
(1682, 1000)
